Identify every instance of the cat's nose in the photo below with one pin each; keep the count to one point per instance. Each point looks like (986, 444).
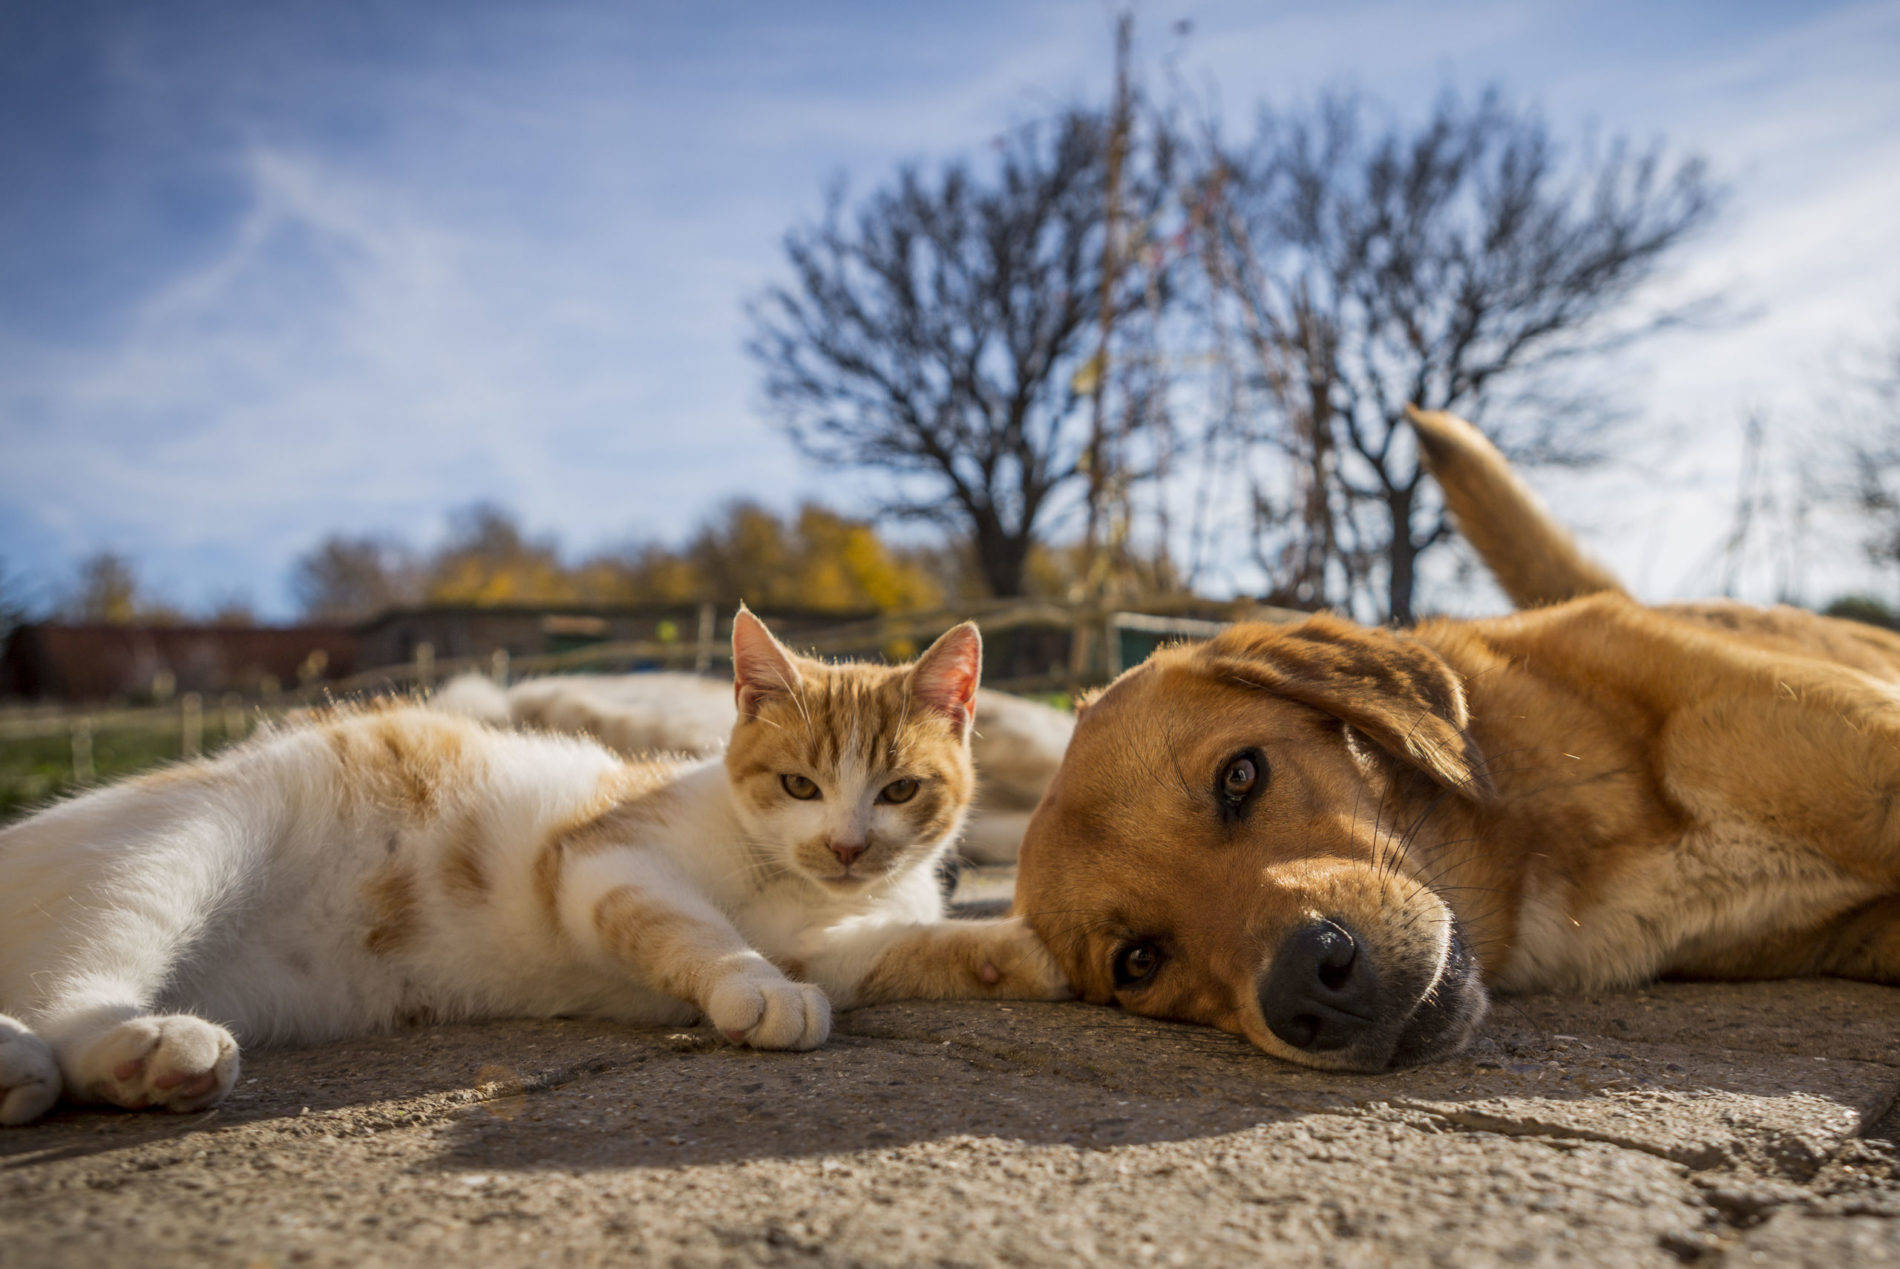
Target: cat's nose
(847, 852)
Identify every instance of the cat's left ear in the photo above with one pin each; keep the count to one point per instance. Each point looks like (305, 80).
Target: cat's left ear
(945, 676)
(761, 667)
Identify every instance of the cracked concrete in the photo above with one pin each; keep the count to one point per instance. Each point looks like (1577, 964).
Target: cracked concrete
(1679, 1123)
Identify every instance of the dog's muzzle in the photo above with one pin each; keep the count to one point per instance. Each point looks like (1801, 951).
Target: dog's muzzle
(1323, 994)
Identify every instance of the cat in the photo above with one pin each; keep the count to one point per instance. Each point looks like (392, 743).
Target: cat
(383, 865)
(1016, 750)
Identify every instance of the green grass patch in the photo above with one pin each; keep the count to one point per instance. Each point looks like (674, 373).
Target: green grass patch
(37, 771)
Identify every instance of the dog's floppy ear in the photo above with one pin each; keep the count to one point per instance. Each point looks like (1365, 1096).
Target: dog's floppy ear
(1388, 687)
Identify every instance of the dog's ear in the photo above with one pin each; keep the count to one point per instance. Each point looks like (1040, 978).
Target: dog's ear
(1387, 687)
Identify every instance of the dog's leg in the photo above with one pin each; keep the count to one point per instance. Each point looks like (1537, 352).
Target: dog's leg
(1863, 944)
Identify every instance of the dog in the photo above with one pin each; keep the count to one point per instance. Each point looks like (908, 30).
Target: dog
(1335, 840)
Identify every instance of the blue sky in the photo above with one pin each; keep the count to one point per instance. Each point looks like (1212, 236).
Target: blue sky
(268, 270)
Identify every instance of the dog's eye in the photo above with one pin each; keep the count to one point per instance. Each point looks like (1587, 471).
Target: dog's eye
(898, 791)
(1136, 964)
(1241, 778)
(800, 787)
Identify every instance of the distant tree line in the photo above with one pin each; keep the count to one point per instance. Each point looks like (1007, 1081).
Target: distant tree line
(813, 557)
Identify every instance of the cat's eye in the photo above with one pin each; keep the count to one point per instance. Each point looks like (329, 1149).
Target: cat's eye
(1243, 776)
(801, 787)
(898, 791)
(1135, 964)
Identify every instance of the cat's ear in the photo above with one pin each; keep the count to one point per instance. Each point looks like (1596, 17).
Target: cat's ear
(945, 676)
(761, 667)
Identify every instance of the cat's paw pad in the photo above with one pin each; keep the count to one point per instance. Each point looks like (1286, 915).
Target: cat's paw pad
(29, 1076)
(769, 1013)
(1014, 964)
(177, 1063)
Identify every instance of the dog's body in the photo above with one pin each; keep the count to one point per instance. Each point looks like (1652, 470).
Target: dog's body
(1585, 794)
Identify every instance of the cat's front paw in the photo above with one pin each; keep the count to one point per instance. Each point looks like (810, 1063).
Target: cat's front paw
(1012, 963)
(177, 1063)
(769, 1012)
(29, 1077)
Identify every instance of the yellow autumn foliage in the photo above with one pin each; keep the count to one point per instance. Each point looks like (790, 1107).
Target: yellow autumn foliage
(815, 558)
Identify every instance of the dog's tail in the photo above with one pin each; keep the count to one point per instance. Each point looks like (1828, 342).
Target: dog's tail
(1533, 557)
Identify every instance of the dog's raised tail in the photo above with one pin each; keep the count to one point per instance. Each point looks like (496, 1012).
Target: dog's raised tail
(1533, 557)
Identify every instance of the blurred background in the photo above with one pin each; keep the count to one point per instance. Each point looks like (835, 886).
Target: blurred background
(345, 345)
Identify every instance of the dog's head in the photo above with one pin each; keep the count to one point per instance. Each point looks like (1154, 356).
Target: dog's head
(1223, 844)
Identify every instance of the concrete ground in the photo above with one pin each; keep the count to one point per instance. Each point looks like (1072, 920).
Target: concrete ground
(1680, 1123)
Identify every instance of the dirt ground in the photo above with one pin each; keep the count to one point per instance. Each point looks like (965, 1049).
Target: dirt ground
(1680, 1123)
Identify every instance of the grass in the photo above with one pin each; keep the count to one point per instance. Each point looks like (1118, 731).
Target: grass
(37, 771)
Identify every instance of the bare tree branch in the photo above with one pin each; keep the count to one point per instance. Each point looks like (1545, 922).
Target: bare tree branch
(1379, 264)
(937, 334)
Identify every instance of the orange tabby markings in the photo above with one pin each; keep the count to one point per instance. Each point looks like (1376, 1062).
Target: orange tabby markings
(625, 800)
(678, 952)
(395, 917)
(464, 875)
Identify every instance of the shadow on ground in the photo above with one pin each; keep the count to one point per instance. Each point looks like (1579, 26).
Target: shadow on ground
(1772, 1075)
(1672, 1123)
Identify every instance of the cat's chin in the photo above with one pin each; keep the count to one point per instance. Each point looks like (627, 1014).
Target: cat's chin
(842, 883)
(846, 883)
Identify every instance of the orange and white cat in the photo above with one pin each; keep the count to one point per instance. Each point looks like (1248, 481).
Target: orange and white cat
(388, 865)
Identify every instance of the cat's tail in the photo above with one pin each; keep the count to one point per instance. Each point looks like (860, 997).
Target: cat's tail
(474, 696)
(1533, 557)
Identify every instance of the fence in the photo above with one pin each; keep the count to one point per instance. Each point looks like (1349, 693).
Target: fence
(1096, 644)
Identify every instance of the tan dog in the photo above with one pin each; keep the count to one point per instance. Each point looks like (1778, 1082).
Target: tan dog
(1329, 838)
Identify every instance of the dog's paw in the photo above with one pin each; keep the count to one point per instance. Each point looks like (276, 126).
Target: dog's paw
(29, 1075)
(769, 1012)
(177, 1063)
(1012, 963)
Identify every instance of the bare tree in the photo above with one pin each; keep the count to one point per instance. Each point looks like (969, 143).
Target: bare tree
(1873, 453)
(232, 607)
(107, 589)
(1450, 263)
(345, 578)
(945, 333)
(16, 605)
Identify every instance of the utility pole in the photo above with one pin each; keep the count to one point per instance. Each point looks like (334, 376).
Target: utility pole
(1100, 463)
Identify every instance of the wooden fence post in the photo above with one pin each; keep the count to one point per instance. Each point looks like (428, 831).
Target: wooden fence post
(703, 649)
(82, 751)
(1079, 652)
(425, 665)
(231, 712)
(191, 725)
(498, 666)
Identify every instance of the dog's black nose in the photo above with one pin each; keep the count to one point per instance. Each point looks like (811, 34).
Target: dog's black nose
(1318, 994)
